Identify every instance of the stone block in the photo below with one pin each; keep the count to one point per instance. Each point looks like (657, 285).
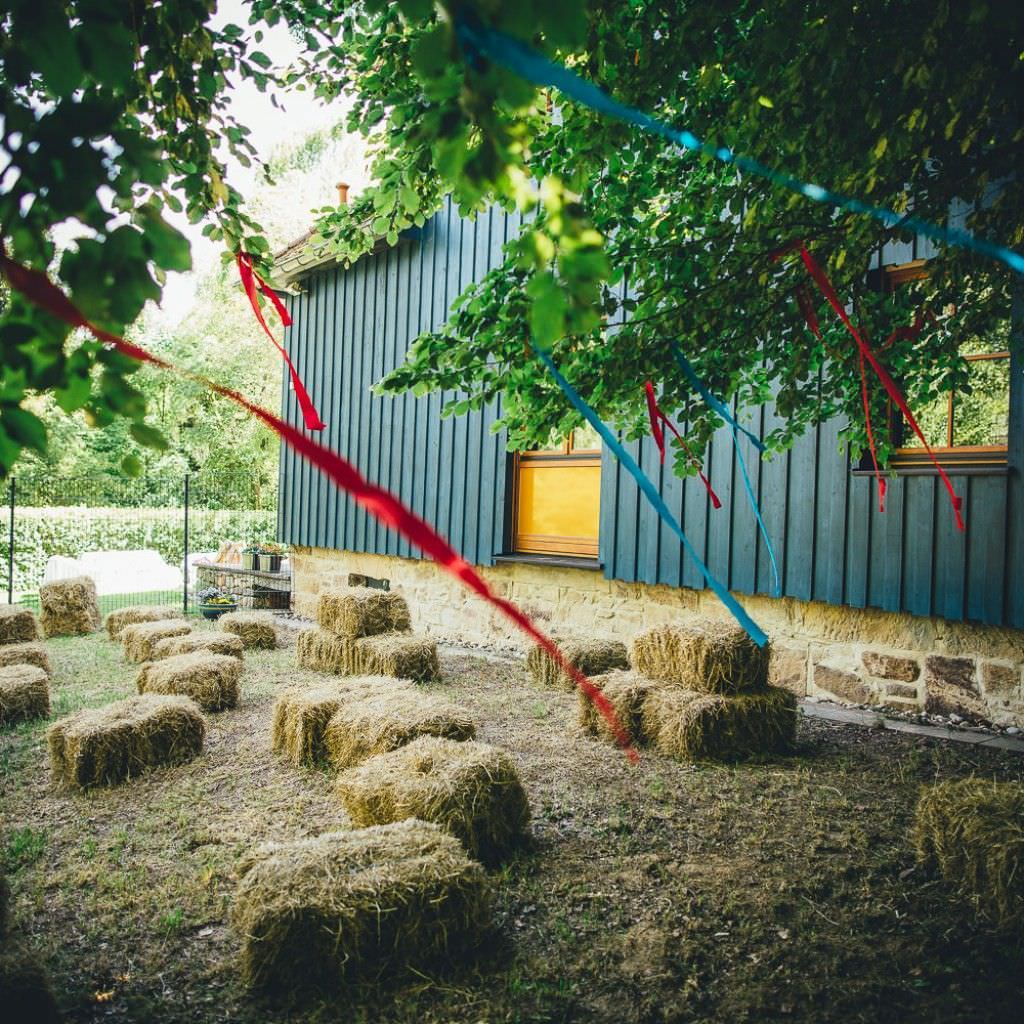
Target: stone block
(999, 680)
(788, 669)
(957, 673)
(890, 666)
(842, 684)
(901, 690)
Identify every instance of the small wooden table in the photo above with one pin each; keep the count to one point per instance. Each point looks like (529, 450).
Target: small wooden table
(253, 588)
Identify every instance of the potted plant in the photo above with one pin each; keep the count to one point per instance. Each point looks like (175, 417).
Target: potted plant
(250, 556)
(213, 603)
(270, 557)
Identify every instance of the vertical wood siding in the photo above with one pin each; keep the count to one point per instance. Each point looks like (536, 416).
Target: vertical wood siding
(832, 544)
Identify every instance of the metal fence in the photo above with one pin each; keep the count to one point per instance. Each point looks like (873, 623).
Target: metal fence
(142, 541)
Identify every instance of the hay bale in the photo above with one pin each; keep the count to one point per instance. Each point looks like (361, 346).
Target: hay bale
(301, 716)
(103, 746)
(627, 693)
(470, 789)
(591, 657)
(256, 629)
(322, 651)
(26, 654)
(211, 680)
(386, 721)
(25, 993)
(121, 617)
(710, 658)
(17, 624)
(710, 726)
(357, 905)
(24, 693)
(212, 642)
(972, 833)
(362, 611)
(69, 607)
(140, 638)
(403, 655)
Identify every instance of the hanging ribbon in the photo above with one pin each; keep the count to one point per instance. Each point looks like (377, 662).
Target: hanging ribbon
(251, 280)
(821, 279)
(657, 417)
(726, 413)
(653, 495)
(38, 289)
(526, 62)
(803, 300)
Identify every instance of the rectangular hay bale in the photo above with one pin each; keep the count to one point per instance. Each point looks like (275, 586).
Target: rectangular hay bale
(403, 655)
(211, 642)
(17, 624)
(211, 680)
(69, 607)
(471, 790)
(121, 617)
(591, 657)
(377, 724)
(104, 746)
(140, 638)
(710, 657)
(257, 629)
(26, 654)
(362, 611)
(24, 693)
(627, 693)
(694, 726)
(322, 651)
(357, 905)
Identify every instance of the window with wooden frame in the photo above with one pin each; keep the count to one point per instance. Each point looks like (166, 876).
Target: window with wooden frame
(967, 428)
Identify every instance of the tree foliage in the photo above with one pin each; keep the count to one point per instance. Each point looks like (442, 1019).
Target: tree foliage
(910, 104)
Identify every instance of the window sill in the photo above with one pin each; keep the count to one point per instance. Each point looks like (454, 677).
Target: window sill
(556, 561)
(963, 469)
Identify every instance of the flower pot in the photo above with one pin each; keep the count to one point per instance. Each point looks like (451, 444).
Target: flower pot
(270, 563)
(249, 559)
(215, 611)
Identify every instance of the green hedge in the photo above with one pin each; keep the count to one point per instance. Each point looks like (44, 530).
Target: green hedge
(42, 532)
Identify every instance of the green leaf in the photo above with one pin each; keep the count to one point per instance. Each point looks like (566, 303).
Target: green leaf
(149, 437)
(24, 427)
(548, 309)
(131, 465)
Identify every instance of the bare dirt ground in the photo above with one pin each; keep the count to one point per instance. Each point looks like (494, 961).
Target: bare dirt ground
(781, 891)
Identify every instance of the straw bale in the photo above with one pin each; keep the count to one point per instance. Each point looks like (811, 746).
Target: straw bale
(211, 680)
(140, 638)
(591, 657)
(627, 693)
(24, 693)
(322, 651)
(972, 833)
(357, 905)
(25, 993)
(69, 607)
(26, 654)
(470, 789)
(710, 658)
(103, 746)
(17, 624)
(121, 617)
(403, 655)
(211, 642)
(301, 715)
(710, 726)
(256, 629)
(362, 611)
(386, 721)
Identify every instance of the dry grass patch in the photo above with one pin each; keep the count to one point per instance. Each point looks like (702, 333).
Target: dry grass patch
(256, 629)
(69, 607)
(627, 693)
(711, 657)
(356, 905)
(104, 746)
(470, 789)
(386, 721)
(972, 833)
(121, 617)
(17, 624)
(26, 654)
(211, 680)
(591, 657)
(362, 611)
(211, 642)
(301, 715)
(695, 726)
(140, 638)
(24, 693)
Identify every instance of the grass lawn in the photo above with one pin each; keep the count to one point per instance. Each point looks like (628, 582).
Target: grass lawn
(666, 892)
(108, 602)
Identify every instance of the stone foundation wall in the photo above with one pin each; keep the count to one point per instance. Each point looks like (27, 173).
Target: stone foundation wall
(861, 656)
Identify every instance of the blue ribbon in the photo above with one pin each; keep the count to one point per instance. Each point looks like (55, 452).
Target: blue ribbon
(534, 67)
(653, 495)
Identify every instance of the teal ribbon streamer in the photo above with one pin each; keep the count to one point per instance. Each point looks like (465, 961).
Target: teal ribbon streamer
(526, 62)
(726, 413)
(653, 495)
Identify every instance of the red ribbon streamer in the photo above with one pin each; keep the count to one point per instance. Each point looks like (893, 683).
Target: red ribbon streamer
(251, 280)
(658, 417)
(803, 300)
(38, 288)
(821, 279)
